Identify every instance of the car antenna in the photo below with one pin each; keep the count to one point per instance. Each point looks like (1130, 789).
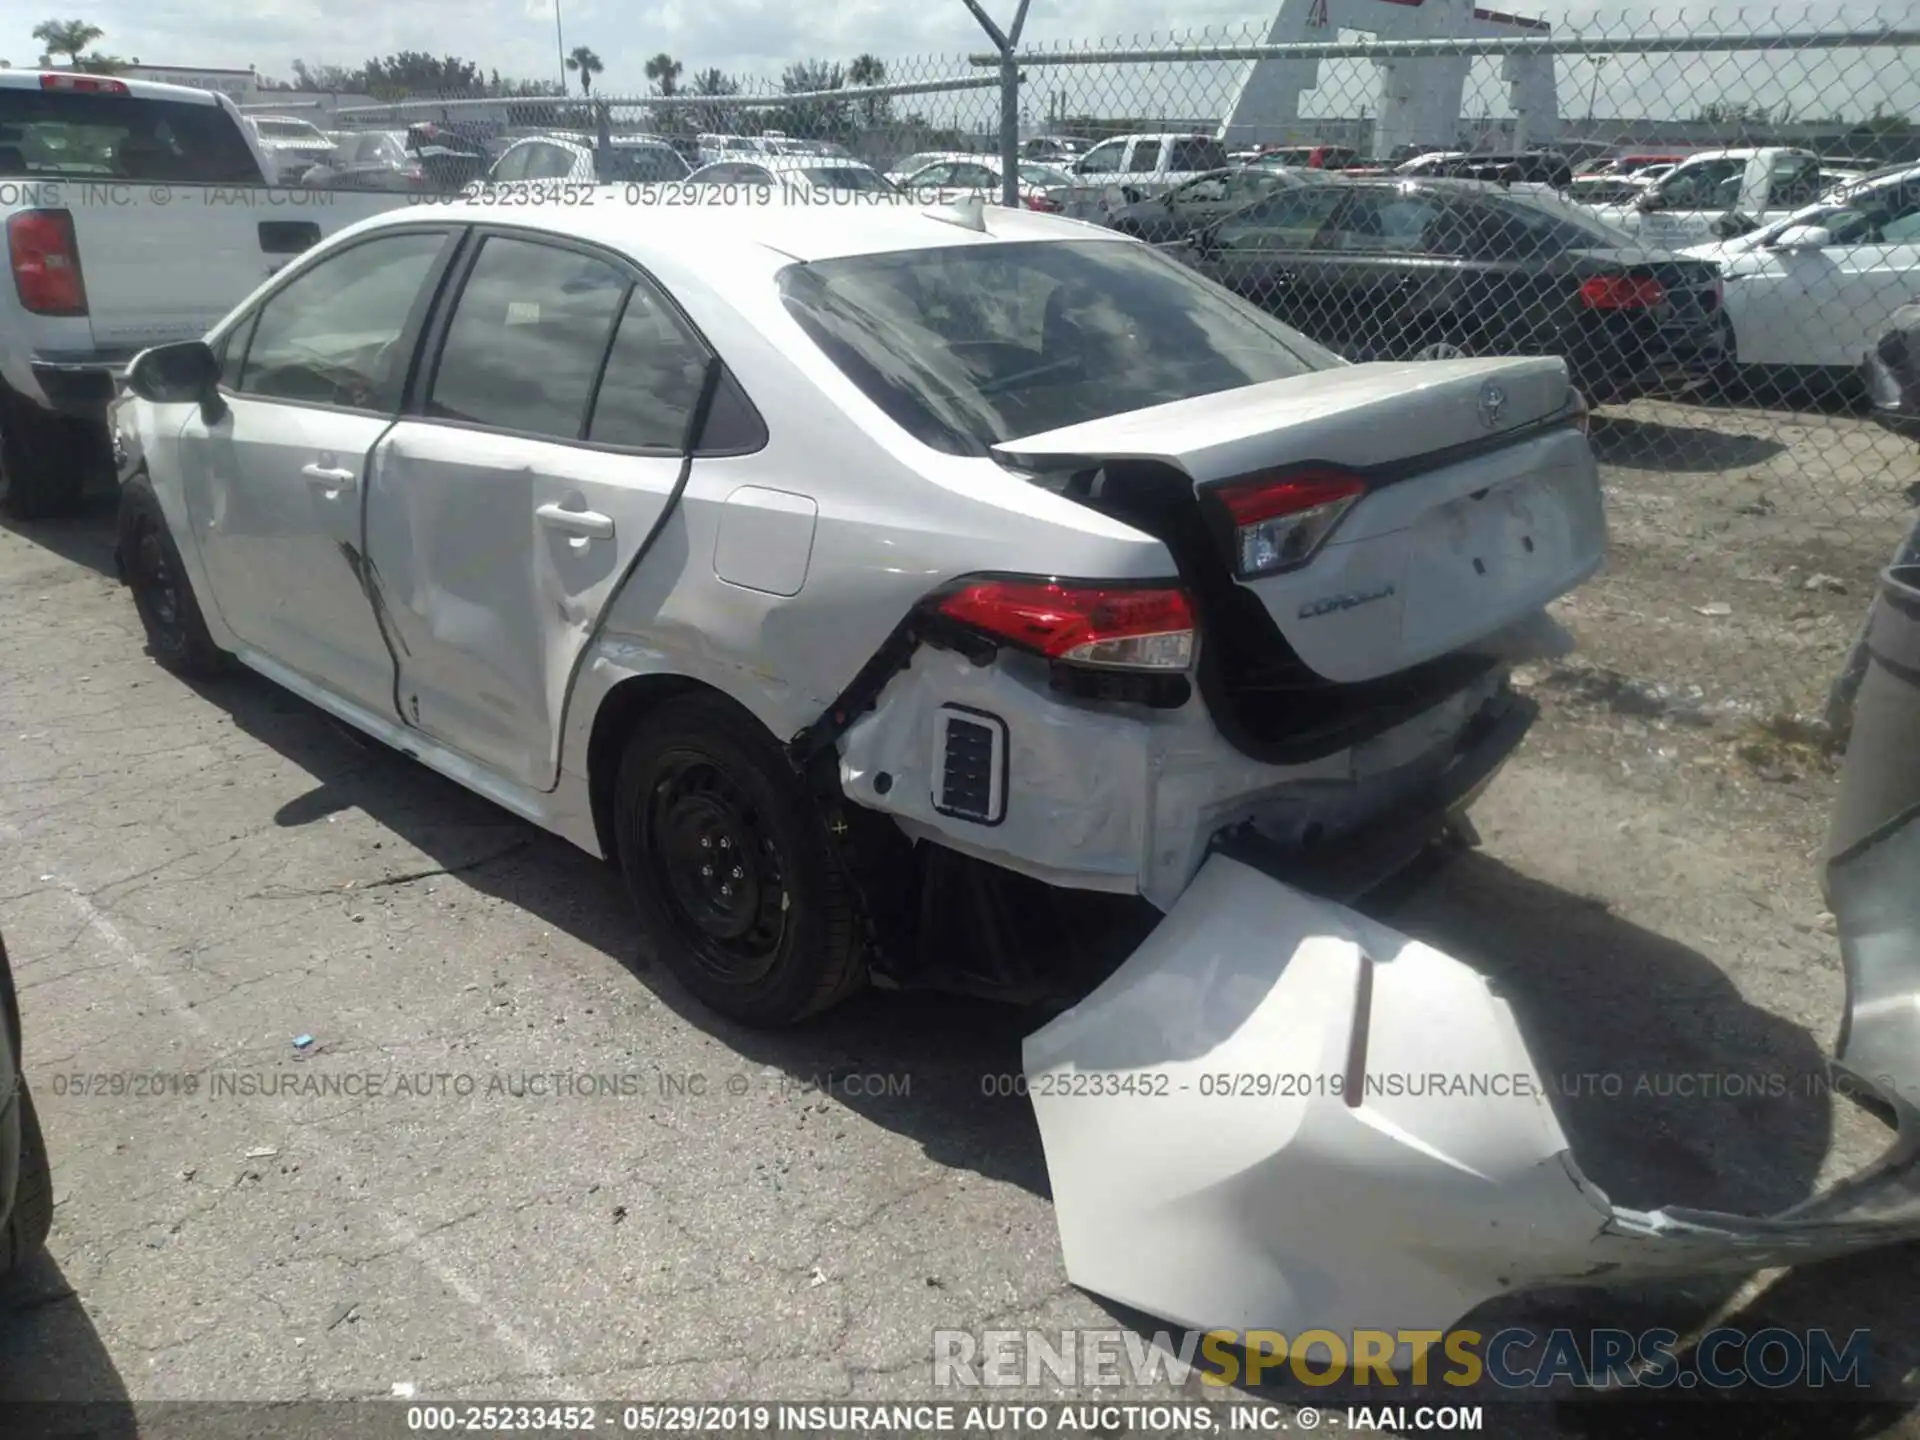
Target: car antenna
(969, 212)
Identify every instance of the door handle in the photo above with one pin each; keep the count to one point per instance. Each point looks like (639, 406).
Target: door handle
(331, 479)
(576, 522)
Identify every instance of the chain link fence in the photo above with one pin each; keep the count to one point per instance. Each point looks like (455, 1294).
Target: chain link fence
(1712, 220)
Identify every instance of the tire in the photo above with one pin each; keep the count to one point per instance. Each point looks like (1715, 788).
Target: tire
(701, 778)
(32, 1215)
(41, 463)
(177, 635)
(1438, 348)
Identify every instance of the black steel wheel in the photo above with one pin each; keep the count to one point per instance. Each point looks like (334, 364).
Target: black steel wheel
(177, 635)
(734, 872)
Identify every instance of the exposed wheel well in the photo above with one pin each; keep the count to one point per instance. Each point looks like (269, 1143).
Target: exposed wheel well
(625, 706)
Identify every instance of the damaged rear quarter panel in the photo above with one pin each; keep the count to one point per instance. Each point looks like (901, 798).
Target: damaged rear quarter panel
(1115, 797)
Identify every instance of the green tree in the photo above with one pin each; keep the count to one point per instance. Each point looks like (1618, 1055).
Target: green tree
(871, 70)
(816, 118)
(663, 71)
(715, 83)
(584, 63)
(67, 37)
(414, 72)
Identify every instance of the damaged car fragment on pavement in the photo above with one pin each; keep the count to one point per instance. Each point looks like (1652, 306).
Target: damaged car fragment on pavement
(1279, 1114)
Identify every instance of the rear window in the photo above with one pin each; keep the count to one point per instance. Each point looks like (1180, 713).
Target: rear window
(967, 346)
(642, 165)
(847, 177)
(95, 135)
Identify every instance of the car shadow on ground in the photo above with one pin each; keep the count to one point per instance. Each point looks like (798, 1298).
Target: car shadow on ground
(1683, 449)
(1596, 995)
(85, 539)
(50, 1353)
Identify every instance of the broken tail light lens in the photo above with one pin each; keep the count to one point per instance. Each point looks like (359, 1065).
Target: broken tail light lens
(1622, 292)
(1280, 524)
(46, 263)
(1109, 627)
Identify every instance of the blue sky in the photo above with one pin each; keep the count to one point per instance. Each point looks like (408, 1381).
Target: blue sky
(925, 39)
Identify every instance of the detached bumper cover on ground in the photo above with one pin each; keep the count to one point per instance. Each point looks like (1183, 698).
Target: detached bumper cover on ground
(1279, 1114)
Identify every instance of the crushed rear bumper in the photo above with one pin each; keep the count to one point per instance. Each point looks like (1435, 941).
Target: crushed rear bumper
(1279, 1114)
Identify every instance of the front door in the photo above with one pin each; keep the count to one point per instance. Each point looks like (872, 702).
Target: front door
(274, 486)
(504, 514)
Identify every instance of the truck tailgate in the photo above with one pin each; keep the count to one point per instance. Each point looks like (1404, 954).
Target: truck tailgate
(166, 262)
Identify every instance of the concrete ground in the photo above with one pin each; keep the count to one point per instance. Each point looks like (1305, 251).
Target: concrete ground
(190, 880)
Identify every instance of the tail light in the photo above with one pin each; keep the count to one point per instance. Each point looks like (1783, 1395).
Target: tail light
(1111, 627)
(415, 175)
(1622, 292)
(1044, 202)
(1279, 524)
(86, 84)
(46, 262)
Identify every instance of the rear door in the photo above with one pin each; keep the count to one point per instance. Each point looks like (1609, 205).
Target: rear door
(1374, 278)
(1267, 253)
(508, 504)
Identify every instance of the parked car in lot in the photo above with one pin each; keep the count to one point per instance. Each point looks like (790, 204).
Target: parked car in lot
(729, 542)
(1816, 290)
(950, 177)
(294, 146)
(1606, 189)
(369, 160)
(579, 160)
(180, 225)
(1526, 167)
(1199, 202)
(1381, 269)
(26, 1177)
(1130, 168)
(797, 173)
(1718, 194)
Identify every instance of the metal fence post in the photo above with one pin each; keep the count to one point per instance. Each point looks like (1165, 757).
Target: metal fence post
(1009, 97)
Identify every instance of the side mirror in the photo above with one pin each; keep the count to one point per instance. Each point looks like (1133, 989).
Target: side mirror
(1803, 237)
(185, 372)
(1649, 202)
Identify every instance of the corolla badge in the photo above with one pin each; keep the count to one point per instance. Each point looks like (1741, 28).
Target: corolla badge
(1493, 404)
(1334, 604)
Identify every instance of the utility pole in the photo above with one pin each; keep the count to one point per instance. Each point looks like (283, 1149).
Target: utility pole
(560, 46)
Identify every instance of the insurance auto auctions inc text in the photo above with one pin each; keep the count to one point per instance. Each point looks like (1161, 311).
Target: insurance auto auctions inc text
(1517, 1358)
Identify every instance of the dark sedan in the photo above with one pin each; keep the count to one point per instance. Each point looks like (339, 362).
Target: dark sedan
(1199, 202)
(26, 1185)
(1426, 270)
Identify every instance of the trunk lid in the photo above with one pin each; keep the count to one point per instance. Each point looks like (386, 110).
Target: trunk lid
(1480, 506)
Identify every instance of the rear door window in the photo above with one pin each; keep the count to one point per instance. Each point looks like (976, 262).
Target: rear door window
(1145, 157)
(1290, 220)
(103, 136)
(526, 339)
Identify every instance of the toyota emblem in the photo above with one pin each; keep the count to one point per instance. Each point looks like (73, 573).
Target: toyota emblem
(1493, 402)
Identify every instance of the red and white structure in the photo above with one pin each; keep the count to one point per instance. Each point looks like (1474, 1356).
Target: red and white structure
(1419, 99)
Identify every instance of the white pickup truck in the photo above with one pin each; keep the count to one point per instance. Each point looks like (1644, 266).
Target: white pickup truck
(1127, 169)
(134, 213)
(1720, 193)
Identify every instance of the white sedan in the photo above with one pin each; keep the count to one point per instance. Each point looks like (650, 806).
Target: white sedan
(953, 177)
(954, 594)
(1816, 289)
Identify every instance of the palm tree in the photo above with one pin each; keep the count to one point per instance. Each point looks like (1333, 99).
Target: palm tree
(67, 37)
(869, 70)
(664, 71)
(587, 65)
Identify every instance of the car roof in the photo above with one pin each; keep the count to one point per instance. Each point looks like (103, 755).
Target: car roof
(793, 162)
(725, 243)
